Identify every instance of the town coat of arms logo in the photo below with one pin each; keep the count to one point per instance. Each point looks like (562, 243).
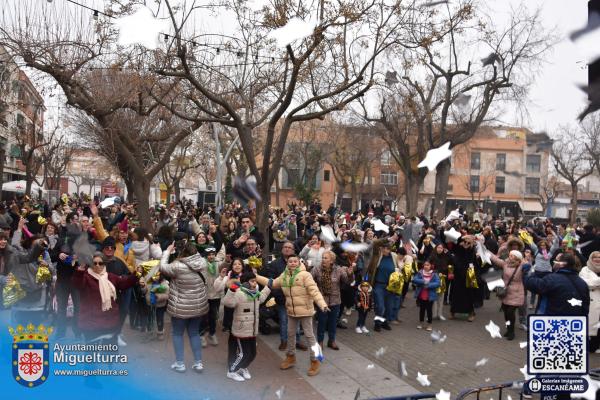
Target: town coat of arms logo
(30, 354)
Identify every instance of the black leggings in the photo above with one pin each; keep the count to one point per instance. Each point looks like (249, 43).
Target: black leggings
(241, 352)
(227, 318)
(210, 320)
(509, 315)
(425, 305)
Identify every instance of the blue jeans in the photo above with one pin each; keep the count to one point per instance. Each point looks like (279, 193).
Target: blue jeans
(327, 320)
(396, 303)
(283, 324)
(193, 330)
(384, 302)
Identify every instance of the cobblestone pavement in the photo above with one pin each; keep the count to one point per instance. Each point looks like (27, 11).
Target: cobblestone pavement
(449, 365)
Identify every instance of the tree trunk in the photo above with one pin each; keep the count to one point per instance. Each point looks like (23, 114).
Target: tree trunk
(354, 196)
(277, 190)
(412, 194)
(142, 194)
(177, 189)
(441, 189)
(169, 191)
(262, 222)
(340, 198)
(2, 160)
(574, 196)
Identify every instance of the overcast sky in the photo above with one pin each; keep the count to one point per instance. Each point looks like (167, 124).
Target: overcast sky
(555, 98)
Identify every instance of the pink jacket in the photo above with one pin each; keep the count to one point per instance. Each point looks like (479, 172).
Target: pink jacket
(515, 292)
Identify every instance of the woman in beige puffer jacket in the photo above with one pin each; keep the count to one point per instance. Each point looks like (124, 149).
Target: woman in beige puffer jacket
(301, 292)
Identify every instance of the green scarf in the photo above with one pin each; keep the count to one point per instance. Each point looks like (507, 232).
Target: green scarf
(212, 268)
(250, 294)
(290, 278)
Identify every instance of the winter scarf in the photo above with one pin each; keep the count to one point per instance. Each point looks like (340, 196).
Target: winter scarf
(363, 300)
(107, 289)
(212, 268)
(594, 267)
(326, 279)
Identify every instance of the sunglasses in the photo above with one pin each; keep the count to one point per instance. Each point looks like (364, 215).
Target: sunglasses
(99, 263)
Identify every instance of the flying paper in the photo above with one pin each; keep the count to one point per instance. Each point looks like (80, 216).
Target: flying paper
(422, 379)
(593, 23)
(380, 226)
(437, 337)
(436, 156)
(380, 352)
(109, 201)
(279, 392)
(522, 344)
(295, 29)
(402, 368)
(574, 302)
(491, 59)
(493, 329)
(354, 247)
(327, 234)
(481, 362)
(462, 100)
(483, 253)
(141, 28)
(370, 366)
(452, 235)
(318, 352)
(84, 250)
(442, 395)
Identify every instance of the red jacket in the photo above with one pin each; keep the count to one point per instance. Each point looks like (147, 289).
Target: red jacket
(91, 316)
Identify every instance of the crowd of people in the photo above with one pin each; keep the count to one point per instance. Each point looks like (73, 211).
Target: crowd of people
(88, 269)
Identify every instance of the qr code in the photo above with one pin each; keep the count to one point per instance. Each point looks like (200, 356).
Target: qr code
(557, 345)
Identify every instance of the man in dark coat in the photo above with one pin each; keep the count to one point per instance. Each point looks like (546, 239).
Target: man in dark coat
(558, 288)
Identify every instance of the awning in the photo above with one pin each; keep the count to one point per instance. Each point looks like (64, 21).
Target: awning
(531, 206)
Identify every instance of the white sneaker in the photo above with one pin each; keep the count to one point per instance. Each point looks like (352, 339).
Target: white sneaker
(198, 366)
(245, 373)
(212, 339)
(120, 341)
(204, 342)
(364, 329)
(178, 367)
(358, 330)
(235, 376)
(348, 311)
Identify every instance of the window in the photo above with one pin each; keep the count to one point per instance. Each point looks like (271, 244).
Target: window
(386, 158)
(500, 182)
(500, 162)
(533, 162)
(474, 183)
(475, 160)
(326, 175)
(389, 178)
(532, 185)
(293, 177)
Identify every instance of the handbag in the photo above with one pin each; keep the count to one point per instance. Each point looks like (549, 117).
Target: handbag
(501, 292)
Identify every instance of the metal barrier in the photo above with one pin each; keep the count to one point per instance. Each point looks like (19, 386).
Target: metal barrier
(501, 388)
(410, 397)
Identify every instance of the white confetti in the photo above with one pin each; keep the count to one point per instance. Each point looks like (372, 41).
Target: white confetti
(522, 344)
(574, 302)
(495, 283)
(280, 391)
(507, 323)
(380, 352)
(327, 234)
(380, 226)
(436, 156)
(295, 29)
(403, 368)
(141, 28)
(481, 362)
(487, 379)
(443, 363)
(354, 247)
(493, 329)
(442, 395)
(508, 397)
(596, 326)
(423, 380)
(436, 337)
(317, 351)
(370, 366)
(442, 318)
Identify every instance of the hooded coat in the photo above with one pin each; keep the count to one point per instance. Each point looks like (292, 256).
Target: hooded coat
(187, 291)
(515, 291)
(591, 275)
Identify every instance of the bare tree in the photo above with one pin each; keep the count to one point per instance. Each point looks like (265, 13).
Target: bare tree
(109, 85)
(351, 159)
(55, 158)
(255, 86)
(571, 163)
(183, 160)
(442, 94)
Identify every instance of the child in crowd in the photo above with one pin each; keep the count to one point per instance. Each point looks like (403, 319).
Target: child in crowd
(157, 296)
(215, 284)
(245, 300)
(232, 277)
(301, 292)
(426, 282)
(364, 303)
